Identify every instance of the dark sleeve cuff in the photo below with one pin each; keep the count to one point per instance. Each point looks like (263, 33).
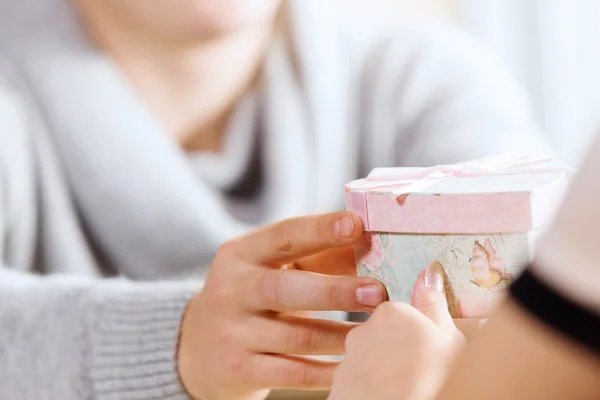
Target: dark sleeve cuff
(557, 311)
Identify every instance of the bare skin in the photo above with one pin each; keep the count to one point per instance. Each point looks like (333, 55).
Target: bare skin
(418, 354)
(241, 336)
(518, 357)
(523, 359)
(192, 67)
(191, 62)
(390, 356)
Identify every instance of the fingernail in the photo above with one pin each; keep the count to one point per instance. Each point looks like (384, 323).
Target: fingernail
(344, 227)
(370, 295)
(434, 277)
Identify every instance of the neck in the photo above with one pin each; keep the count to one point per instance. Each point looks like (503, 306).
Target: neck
(193, 86)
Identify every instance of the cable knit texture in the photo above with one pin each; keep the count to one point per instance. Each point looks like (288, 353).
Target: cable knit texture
(73, 338)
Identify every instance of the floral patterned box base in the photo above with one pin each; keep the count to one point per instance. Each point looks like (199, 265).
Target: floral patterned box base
(415, 216)
(479, 268)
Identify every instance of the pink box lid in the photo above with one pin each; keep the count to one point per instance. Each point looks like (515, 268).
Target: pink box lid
(482, 196)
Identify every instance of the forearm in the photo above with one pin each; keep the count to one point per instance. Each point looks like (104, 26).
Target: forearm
(63, 337)
(518, 357)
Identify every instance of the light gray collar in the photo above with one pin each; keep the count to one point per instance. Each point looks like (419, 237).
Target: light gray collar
(135, 188)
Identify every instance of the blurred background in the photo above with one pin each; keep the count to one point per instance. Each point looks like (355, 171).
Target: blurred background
(548, 45)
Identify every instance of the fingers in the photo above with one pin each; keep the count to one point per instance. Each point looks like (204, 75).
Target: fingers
(302, 336)
(292, 290)
(290, 372)
(294, 238)
(429, 295)
(338, 261)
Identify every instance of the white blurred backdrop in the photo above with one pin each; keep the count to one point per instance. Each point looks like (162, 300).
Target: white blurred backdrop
(551, 46)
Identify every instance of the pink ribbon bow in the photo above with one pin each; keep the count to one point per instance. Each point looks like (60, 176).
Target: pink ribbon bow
(414, 180)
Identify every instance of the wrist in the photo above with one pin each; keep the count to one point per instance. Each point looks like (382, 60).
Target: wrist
(183, 354)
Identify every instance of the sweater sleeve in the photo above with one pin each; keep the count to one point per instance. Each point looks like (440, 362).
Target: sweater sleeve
(67, 337)
(438, 98)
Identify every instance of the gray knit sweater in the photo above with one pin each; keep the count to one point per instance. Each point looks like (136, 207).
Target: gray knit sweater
(91, 186)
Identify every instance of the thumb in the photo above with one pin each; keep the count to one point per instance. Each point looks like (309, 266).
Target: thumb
(429, 295)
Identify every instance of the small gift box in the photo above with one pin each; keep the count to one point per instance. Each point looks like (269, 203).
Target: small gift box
(479, 219)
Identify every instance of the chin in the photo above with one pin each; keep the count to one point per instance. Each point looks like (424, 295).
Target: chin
(225, 27)
(228, 16)
(190, 19)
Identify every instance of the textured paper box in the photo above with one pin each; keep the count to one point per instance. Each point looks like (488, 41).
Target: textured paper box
(479, 268)
(481, 225)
